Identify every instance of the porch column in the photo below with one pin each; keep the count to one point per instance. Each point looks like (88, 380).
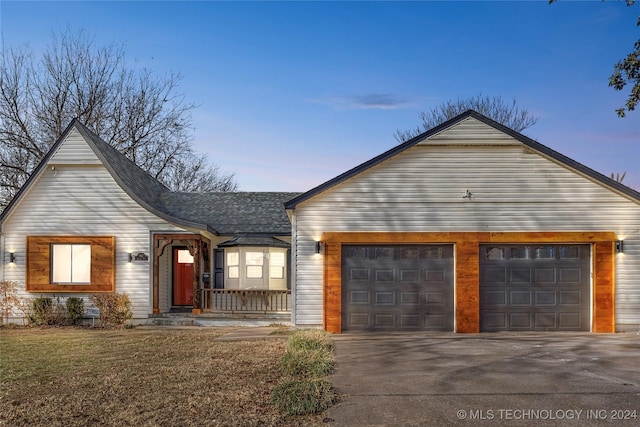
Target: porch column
(197, 253)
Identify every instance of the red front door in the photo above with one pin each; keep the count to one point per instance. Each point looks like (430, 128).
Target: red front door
(182, 277)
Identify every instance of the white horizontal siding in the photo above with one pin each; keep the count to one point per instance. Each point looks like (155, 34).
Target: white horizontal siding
(85, 200)
(470, 131)
(74, 150)
(421, 189)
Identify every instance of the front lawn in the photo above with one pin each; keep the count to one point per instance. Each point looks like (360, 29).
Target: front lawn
(139, 377)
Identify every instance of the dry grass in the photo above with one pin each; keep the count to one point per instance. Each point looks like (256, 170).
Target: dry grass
(139, 377)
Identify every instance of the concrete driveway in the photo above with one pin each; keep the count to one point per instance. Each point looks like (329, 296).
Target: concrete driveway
(487, 379)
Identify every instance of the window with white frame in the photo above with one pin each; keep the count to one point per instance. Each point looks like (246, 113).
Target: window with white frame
(276, 265)
(254, 262)
(233, 265)
(70, 263)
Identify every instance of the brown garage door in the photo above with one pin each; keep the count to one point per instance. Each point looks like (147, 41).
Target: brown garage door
(534, 287)
(407, 287)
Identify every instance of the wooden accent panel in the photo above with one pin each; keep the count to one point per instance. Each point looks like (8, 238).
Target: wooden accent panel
(604, 287)
(103, 260)
(467, 245)
(332, 295)
(467, 286)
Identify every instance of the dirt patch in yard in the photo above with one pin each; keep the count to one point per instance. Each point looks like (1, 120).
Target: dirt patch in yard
(139, 377)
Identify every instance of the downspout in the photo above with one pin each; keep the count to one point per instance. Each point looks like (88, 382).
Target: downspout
(294, 263)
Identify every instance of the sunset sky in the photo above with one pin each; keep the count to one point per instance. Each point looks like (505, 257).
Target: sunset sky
(291, 94)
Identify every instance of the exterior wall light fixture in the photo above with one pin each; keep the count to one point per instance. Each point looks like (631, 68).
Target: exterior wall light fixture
(619, 246)
(12, 257)
(318, 247)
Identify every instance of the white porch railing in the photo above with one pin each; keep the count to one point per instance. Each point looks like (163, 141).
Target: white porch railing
(246, 300)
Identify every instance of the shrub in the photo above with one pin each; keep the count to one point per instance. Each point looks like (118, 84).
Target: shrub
(75, 311)
(308, 363)
(310, 339)
(115, 309)
(8, 298)
(46, 312)
(304, 396)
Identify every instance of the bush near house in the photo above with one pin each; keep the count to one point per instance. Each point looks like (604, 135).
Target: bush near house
(75, 311)
(307, 362)
(8, 298)
(115, 309)
(46, 311)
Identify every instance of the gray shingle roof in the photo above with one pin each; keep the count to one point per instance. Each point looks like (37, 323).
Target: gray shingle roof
(233, 213)
(221, 213)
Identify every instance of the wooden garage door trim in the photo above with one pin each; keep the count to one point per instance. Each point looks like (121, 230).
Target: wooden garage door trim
(467, 269)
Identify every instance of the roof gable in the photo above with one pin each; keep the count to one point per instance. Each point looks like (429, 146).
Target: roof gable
(216, 213)
(471, 128)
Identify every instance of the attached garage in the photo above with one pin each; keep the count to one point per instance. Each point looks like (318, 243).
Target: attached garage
(397, 287)
(535, 287)
(534, 240)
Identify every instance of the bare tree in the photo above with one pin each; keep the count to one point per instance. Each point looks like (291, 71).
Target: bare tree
(617, 177)
(135, 110)
(506, 113)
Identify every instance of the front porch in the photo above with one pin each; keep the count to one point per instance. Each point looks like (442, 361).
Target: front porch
(246, 301)
(229, 307)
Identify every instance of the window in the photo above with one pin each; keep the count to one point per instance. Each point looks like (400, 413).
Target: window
(276, 265)
(233, 267)
(184, 257)
(494, 253)
(254, 261)
(70, 263)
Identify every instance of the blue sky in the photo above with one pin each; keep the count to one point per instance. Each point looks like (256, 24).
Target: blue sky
(291, 94)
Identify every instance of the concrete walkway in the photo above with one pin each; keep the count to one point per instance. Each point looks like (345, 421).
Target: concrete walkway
(487, 379)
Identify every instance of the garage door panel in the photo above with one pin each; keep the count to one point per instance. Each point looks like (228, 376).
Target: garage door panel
(409, 298)
(520, 321)
(410, 321)
(435, 297)
(520, 276)
(570, 275)
(545, 275)
(548, 287)
(409, 275)
(359, 319)
(495, 276)
(361, 274)
(545, 298)
(435, 322)
(360, 297)
(496, 321)
(544, 320)
(384, 321)
(409, 287)
(435, 276)
(569, 321)
(384, 298)
(574, 297)
(495, 298)
(385, 275)
(520, 298)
